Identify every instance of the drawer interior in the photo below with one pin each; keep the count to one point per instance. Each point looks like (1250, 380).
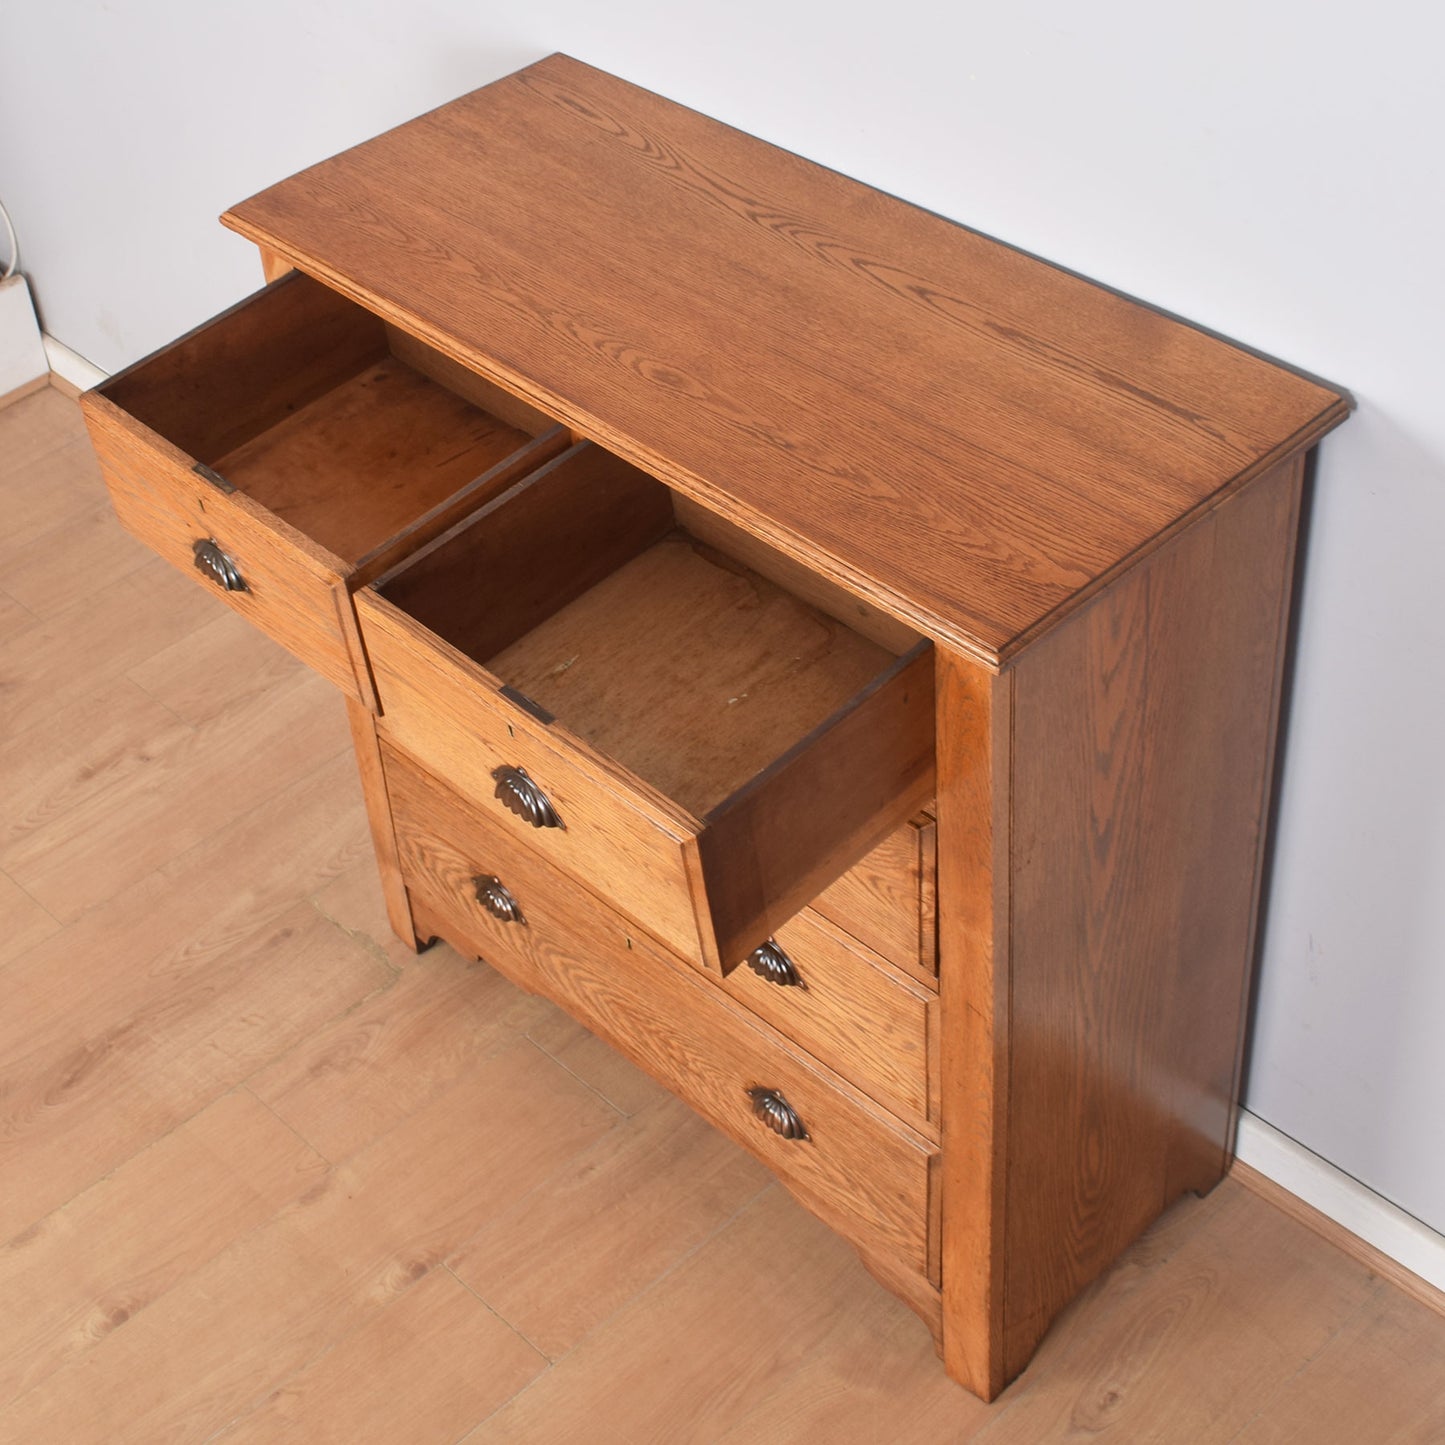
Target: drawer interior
(342, 426)
(602, 599)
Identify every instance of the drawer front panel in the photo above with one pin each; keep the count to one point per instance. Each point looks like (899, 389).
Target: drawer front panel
(712, 889)
(848, 1009)
(888, 899)
(441, 708)
(861, 1171)
(292, 591)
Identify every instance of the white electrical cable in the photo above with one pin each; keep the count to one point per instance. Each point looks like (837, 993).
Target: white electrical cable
(14, 244)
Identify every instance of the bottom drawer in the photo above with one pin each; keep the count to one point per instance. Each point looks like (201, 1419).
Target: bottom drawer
(857, 1168)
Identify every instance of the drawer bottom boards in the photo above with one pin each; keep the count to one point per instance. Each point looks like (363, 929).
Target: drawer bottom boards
(864, 1173)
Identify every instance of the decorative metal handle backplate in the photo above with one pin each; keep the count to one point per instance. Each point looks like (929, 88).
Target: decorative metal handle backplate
(777, 1113)
(492, 894)
(211, 560)
(769, 961)
(520, 795)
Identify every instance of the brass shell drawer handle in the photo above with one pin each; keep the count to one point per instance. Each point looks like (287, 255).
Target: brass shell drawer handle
(520, 795)
(212, 560)
(494, 896)
(777, 1113)
(769, 961)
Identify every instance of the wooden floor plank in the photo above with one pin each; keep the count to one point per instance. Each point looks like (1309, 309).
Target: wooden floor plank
(230, 891)
(184, 785)
(354, 901)
(23, 922)
(1199, 1323)
(421, 1370)
(362, 1074)
(57, 660)
(46, 497)
(35, 426)
(107, 1254)
(80, 560)
(101, 1088)
(1380, 1379)
(874, 1377)
(220, 1342)
(567, 1258)
(597, 1063)
(688, 1358)
(223, 663)
(93, 756)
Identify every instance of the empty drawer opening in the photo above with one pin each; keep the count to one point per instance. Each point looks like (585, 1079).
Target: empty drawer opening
(662, 635)
(343, 427)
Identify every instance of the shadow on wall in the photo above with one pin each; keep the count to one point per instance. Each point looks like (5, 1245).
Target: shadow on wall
(1350, 967)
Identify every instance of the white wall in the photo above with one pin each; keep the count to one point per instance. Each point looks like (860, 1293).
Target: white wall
(1270, 169)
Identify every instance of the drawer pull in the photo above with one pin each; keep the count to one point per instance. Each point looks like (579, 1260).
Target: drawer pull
(769, 961)
(211, 560)
(520, 795)
(492, 894)
(777, 1113)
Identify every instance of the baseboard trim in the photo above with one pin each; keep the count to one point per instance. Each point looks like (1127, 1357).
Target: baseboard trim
(70, 368)
(1395, 1245)
(21, 392)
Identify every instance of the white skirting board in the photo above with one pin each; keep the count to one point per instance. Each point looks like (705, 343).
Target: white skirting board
(1352, 1205)
(71, 366)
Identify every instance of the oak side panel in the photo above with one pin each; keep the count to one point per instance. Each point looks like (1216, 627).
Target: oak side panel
(1142, 732)
(973, 946)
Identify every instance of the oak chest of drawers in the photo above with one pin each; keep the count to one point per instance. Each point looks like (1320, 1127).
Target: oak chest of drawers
(833, 655)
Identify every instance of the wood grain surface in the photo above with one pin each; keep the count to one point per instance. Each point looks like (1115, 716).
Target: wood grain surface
(851, 1010)
(860, 1169)
(243, 1126)
(1141, 737)
(888, 899)
(961, 434)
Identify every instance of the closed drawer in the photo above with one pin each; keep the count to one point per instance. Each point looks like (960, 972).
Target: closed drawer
(848, 1008)
(294, 446)
(888, 899)
(660, 720)
(864, 1173)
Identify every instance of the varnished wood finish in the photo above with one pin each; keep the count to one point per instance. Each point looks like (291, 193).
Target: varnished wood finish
(938, 498)
(367, 748)
(291, 583)
(1140, 744)
(888, 899)
(961, 434)
(783, 837)
(693, 673)
(851, 1010)
(527, 554)
(236, 1143)
(357, 465)
(242, 372)
(975, 728)
(285, 432)
(719, 751)
(858, 1167)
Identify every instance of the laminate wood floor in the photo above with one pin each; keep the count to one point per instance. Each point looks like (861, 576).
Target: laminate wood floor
(265, 1175)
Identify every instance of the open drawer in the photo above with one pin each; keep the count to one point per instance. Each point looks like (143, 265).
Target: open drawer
(295, 446)
(653, 714)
